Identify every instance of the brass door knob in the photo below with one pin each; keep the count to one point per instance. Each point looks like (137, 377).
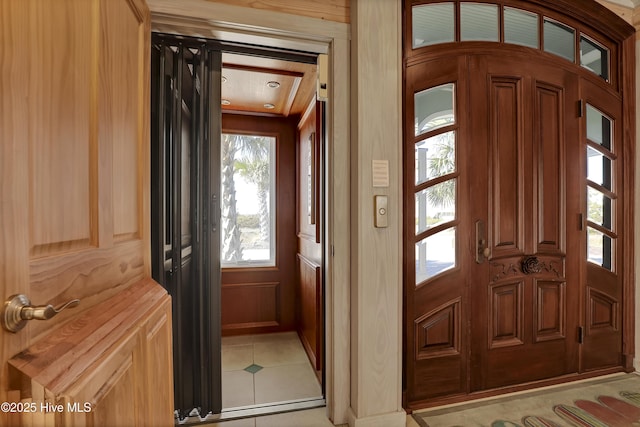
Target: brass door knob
(18, 309)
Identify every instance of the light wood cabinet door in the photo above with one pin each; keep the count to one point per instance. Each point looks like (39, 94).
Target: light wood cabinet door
(74, 190)
(105, 367)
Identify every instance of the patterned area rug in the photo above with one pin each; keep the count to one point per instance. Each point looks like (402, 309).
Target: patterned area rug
(612, 401)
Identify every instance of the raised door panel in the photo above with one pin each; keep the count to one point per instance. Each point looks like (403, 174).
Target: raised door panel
(123, 77)
(550, 315)
(548, 155)
(107, 398)
(506, 318)
(437, 333)
(310, 309)
(61, 102)
(157, 360)
(506, 163)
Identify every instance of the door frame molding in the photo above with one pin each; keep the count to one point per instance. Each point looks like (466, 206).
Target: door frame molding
(200, 18)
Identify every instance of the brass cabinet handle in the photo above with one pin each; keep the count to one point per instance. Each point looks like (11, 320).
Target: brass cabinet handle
(18, 309)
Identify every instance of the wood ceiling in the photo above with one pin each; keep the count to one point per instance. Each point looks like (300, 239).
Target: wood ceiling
(266, 86)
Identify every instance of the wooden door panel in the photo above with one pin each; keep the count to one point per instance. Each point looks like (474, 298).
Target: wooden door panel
(437, 346)
(74, 208)
(506, 309)
(548, 172)
(603, 295)
(59, 169)
(122, 94)
(310, 305)
(524, 279)
(550, 310)
(506, 161)
(437, 333)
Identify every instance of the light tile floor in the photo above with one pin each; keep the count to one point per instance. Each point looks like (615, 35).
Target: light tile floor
(267, 368)
(286, 374)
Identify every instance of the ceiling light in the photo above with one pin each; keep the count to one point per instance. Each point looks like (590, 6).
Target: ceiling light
(269, 106)
(225, 102)
(273, 84)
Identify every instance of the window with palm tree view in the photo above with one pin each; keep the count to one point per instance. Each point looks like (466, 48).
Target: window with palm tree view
(248, 200)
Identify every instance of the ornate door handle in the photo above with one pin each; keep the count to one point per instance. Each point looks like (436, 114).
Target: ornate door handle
(530, 265)
(18, 309)
(483, 251)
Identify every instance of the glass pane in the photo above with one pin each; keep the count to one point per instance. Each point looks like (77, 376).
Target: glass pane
(247, 201)
(598, 168)
(599, 208)
(435, 205)
(521, 27)
(559, 39)
(598, 127)
(433, 24)
(479, 22)
(594, 57)
(435, 156)
(434, 108)
(435, 254)
(599, 247)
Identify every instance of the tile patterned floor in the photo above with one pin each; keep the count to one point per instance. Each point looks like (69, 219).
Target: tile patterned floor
(286, 374)
(265, 368)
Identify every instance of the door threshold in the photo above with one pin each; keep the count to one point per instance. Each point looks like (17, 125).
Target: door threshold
(255, 411)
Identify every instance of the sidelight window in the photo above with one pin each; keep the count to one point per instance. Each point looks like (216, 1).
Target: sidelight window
(601, 196)
(247, 201)
(436, 177)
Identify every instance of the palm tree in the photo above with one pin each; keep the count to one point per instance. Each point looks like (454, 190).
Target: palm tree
(237, 150)
(443, 162)
(257, 171)
(231, 249)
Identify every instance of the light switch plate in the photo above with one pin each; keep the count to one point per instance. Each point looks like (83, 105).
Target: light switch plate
(381, 213)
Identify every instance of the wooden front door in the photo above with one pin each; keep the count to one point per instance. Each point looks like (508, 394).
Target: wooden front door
(510, 231)
(524, 283)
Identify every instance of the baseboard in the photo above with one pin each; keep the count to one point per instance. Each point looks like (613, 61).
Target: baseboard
(390, 419)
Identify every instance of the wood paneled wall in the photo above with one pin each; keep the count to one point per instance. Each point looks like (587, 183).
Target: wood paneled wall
(262, 299)
(331, 10)
(309, 292)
